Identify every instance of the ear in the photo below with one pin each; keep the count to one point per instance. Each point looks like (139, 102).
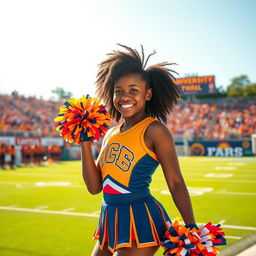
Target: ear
(149, 94)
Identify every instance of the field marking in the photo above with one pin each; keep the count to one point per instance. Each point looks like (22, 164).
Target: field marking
(239, 227)
(52, 184)
(202, 191)
(236, 193)
(221, 222)
(97, 215)
(48, 211)
(41, 185)
(14, 182)
(220, 168)
(239, 164)
(96, 212)
(68, 209)
(228, 159)
(193, 191)
(218, 175)
(221, 180)
(46, 175)
(42, 207)
(203, 169)
(234, 237)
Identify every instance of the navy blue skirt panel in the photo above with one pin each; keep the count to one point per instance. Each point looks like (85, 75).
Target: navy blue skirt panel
(144, 221)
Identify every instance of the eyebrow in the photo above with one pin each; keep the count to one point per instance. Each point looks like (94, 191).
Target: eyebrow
(130, 85)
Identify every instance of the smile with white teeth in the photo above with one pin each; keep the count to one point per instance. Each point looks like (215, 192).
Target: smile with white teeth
(126, 106)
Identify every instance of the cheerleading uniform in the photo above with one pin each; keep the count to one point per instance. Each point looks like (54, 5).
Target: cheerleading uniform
(129, 212)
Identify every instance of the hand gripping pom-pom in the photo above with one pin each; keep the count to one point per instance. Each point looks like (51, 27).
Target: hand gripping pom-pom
(184, 241)
(83, 119)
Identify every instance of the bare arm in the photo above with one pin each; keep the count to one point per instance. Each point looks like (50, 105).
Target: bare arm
(91, 172)
(160, 140)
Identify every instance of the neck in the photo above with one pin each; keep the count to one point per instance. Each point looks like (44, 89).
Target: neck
(130, 122)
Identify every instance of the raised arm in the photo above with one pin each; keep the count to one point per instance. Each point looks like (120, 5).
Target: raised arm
(159, 139)
(91, 172)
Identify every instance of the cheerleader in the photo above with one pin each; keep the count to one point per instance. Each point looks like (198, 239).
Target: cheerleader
(132, 221)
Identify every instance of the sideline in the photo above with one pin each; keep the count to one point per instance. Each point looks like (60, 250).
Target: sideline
(8, 208)
(244, 247)
(251, 251)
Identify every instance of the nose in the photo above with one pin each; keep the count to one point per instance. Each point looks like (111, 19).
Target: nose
(124, 96)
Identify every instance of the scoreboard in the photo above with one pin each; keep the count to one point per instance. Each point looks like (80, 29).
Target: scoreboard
(196, 85)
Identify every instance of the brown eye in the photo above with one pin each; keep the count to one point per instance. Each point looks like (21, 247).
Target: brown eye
(117, 92)
(134, 90)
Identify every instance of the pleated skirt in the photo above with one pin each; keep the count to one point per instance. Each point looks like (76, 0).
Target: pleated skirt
(144, 221)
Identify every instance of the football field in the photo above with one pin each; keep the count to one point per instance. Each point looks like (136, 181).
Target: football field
(47, 211)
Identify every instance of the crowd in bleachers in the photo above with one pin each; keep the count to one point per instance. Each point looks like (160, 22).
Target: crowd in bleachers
(27, 116)
(224, 119)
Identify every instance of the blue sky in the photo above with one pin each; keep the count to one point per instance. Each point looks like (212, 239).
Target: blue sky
(45, 44)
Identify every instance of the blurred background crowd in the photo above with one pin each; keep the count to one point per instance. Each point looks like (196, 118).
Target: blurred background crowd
(200, 119)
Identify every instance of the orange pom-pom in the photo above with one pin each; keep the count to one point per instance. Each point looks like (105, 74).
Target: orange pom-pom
(84, 119)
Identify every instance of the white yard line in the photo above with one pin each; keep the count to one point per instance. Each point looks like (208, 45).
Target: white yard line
(13, 182)
(202, 191)
(239, 227)
(234, 237)
(31, 174)
(219, 175)
(221, 222)
(97, 215)
(227, 159)
(220, 168)
(191, 170)
(48, 211)
(236, 193)
(239, 164)
(34, 184)
(96, 212)
(68, 209)
(229, 226)
(221, 180)
(42, 207)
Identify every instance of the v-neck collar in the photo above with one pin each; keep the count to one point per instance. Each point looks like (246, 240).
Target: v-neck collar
(120, 133)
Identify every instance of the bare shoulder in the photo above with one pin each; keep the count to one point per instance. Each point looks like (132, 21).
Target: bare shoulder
(157, 133)
(156, 129)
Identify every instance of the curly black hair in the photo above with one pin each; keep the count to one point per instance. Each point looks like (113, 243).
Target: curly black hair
(165, 93)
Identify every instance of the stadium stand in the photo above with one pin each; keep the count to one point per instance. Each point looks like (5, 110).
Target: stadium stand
(208, 119)
(27, 116)
(221, 119)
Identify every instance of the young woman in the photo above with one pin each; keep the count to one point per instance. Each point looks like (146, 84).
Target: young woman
(132, 221)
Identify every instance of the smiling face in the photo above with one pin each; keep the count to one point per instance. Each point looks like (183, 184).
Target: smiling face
(130, 96)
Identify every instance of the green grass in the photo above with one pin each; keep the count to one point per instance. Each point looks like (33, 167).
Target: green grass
(44, 234)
